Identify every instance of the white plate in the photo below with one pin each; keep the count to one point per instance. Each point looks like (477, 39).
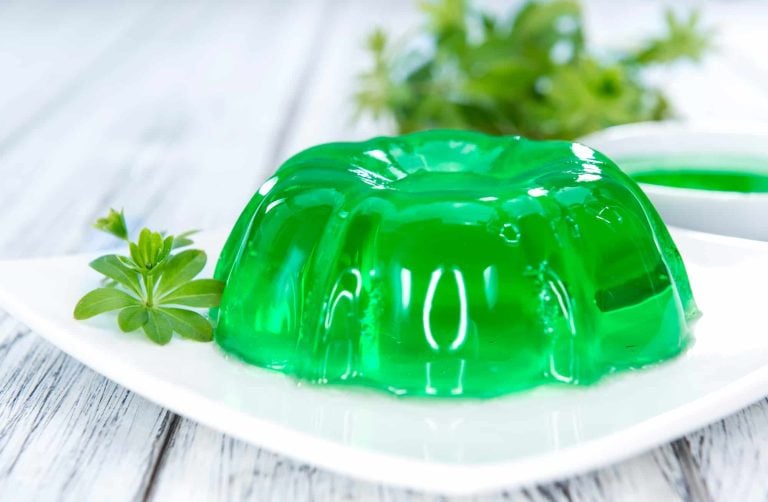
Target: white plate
(716, 146)
(448, 446)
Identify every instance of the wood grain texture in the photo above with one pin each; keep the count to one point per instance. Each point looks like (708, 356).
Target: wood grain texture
(176, 111)
(67, 426)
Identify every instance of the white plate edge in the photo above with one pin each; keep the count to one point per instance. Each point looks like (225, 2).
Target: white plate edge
(434, 477)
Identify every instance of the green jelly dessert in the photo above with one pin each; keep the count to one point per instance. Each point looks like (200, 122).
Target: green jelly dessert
(451, 263)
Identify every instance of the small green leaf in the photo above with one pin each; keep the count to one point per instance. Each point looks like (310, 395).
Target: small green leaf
(132, 318)
(106, 282)
(136, 255)
(149, 249)
(183, 240)
(113, 223)
(199, 293)
(189, 324)
(158, 327)
(167, 247)
(145, 248)
(684, 39)
(112, 267)
(157, 243)
(377, 41)
(181, 268)
(103, 300)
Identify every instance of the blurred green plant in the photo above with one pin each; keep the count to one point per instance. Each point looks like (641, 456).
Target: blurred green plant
(533, 74)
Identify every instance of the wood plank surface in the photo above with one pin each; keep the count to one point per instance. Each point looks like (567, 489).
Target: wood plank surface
(177, 111)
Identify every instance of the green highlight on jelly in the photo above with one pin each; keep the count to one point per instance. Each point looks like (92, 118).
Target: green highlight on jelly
(451, 263)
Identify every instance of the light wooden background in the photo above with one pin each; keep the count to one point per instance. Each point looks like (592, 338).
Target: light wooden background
(176, 111)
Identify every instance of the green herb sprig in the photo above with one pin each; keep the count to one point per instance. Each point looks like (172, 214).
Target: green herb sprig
(532, 74)
(154, 286)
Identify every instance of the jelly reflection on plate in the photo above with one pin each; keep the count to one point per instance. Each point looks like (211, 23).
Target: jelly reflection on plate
(672, 172)
(449, 263)
(709, 177)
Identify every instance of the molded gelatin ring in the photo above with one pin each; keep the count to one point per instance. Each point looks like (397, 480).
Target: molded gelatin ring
(450, 263)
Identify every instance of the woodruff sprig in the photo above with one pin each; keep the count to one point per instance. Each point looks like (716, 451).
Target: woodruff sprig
(154, 287)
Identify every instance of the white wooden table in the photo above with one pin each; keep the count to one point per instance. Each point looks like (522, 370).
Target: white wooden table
(176, 112)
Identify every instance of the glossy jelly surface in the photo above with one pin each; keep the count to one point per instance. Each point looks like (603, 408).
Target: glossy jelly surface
(449, 263)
